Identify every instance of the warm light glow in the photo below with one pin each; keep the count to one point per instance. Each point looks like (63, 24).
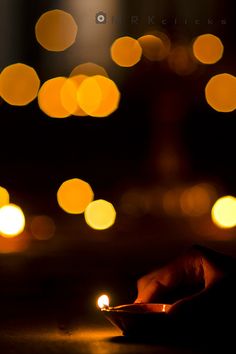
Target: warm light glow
(49, 98)
(12, 220)
(4, 197)
(56, 30)
(100, 215)
(89, 95)
(110, 97)
(126, 51)
(170, 201)
(224, 212)
(69, 95)
(98, 96)
(221, 92)
(42, 227)
(74, 196)
(153, 47)
(195, 201)
(15, 244)
(103, 301)
(181, 61)
(89, 69)
(208, 49)
(19, 84)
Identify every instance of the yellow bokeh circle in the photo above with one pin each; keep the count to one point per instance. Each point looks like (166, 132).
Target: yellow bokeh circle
(4, 197)
(56, 30)
(224, 212)
(69, 95)
(19, 84)
(220, 92)
(49, 98)
(98, 96)
(100, 215)
(12, 220)
(208, 49)
(74, 196)
(126, 51)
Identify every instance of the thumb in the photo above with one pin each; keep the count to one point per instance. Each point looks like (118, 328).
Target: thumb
(150, 292)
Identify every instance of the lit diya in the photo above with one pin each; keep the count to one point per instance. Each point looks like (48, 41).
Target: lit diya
(143, 319)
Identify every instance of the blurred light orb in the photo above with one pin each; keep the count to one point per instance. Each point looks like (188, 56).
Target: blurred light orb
(103, 301)
(4, 197)
(208, 49)
(100, 214)
(126, 51)
(74, 195)
(69, 95)
(12, 220)
(19, 84)
(220, 92)
(110, 97)
(89, 95)
(89, 69)
(98, 96)
(56, 30)
(153, 47)
(42, 227)
(49, 98)
(171, 203)
(181, 61)
(195, 201)
(224, 212)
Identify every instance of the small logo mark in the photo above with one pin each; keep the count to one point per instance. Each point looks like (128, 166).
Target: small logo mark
(101, 18)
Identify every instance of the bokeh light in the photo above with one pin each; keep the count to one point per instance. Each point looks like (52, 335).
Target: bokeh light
(42, 227)
(208, 49)
(19, 84)
(224, 212)
(220, 92)
(89, 95)
(170, 201)
(49, 98)
(195, 201)
(103, 301)
(100, 214)
(126, 51)
(153, 47)
(12, 220)
(4, 197)
(69, 95)
(98, 96)
(110, 97)
(56, 30)
(74, 196)
(181, 60)
(89, 69)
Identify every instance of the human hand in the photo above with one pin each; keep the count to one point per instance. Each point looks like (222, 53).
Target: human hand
(200, 285)
(180, 281)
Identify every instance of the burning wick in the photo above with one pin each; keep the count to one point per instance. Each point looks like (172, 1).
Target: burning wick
(103, 302)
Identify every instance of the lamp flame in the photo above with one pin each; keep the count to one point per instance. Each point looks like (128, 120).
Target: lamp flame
(103, 301)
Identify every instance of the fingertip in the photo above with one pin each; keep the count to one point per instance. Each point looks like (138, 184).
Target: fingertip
(138, 301)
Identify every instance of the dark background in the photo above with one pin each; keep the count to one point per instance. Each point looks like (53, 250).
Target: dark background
(62, 277)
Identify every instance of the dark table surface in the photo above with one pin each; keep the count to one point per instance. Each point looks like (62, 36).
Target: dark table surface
(87, 338)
